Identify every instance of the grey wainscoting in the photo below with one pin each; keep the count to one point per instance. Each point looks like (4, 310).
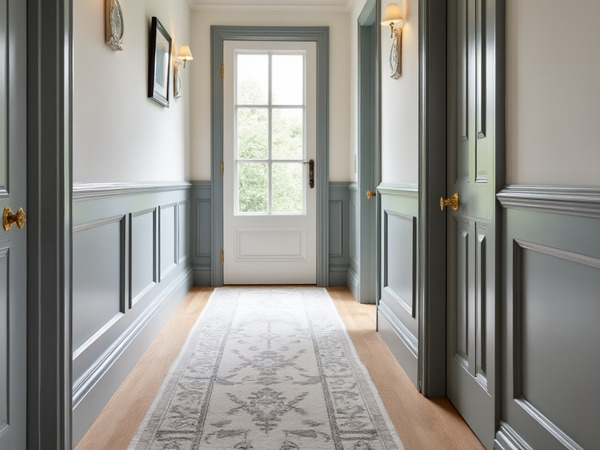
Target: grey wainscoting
(202, 236)
(130, 270)
(397, 309)
(551, 337)
(354, 241)
(340, 225)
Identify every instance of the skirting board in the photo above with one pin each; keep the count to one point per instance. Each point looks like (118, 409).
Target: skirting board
(392, 336)
(352, 282)
(338, 276)
(201, 275)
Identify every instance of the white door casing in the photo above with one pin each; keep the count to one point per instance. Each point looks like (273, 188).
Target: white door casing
(264, 245)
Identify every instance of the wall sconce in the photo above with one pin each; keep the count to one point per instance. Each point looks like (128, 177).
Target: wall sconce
(393, 17)
(184, 54)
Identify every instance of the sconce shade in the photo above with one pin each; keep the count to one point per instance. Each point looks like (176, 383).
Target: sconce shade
(185, 54)
(392, 15)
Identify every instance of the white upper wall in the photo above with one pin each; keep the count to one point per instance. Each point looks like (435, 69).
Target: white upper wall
(118, 133)
(400, 102)
(552, 92)
(356, 8)
(339, 108)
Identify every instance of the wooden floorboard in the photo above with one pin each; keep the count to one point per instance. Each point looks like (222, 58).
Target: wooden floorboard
(421, 423)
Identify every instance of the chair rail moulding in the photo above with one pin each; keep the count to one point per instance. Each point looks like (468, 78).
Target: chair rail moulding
(87, 190)
(580, 201)
(404, 189)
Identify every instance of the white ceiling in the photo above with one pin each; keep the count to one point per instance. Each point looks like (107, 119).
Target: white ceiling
(272, 5)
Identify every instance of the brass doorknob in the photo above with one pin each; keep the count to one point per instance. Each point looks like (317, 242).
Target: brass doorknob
(371, 194)
(452, 202)
(9, 218)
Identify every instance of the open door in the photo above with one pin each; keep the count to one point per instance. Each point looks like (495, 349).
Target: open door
(472, 181)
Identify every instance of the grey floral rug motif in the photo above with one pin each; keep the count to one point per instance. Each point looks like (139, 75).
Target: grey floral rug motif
(267, 369)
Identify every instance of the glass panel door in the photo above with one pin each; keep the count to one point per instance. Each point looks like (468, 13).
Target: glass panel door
(269, 132)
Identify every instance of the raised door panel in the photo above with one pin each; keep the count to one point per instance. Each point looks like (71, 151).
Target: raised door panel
(458, 282)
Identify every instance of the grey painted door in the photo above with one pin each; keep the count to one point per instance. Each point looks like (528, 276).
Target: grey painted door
(13, 263)
(472, 228)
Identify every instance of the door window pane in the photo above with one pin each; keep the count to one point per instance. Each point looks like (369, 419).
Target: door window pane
(253, 188)
(270, 133)
(252, 79)
(252, 133)
(287, 188)
(288, 79)
(288, 136)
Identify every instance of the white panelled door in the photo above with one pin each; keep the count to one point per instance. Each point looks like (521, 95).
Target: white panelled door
(269, 152)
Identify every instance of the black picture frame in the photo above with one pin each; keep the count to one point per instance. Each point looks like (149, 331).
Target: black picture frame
(159, 63)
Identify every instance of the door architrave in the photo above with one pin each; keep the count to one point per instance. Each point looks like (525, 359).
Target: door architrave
(432, 182)
(49, 223)
(368, 153)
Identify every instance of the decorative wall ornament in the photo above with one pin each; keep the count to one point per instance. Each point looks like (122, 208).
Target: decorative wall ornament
(396, 55)
(394, 18)
(114, 28)
(176, 80)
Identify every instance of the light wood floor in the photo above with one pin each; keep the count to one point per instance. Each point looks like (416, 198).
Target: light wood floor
(421, 423)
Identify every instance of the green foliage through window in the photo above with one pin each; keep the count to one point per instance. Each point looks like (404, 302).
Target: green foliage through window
(270, 139)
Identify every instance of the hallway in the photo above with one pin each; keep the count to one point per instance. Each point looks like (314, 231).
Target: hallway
(421, 423)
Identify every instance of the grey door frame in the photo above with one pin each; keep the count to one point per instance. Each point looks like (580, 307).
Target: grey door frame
(432, 182)
(320, 35)
(49, 225)
(368, 152)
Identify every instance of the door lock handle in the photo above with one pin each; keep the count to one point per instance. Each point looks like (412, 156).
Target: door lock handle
(9, 218)
(452, 202)
(311, 173)
(370, 194)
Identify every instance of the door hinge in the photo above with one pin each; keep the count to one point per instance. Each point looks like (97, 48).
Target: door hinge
(222, 257)
(222, 71)
(222, 167)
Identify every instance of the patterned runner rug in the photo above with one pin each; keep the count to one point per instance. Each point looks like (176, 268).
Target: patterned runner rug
(267, 368)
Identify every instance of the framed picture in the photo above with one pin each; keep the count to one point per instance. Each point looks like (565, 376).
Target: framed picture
(159, 63)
